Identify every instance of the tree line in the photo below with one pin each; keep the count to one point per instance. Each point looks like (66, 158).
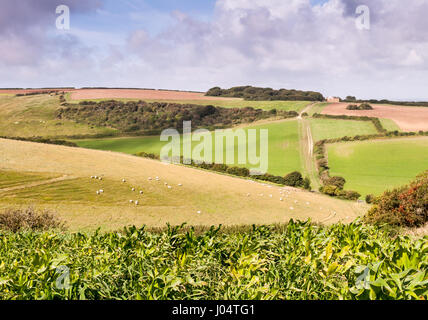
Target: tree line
(265, 94)
(151, 118)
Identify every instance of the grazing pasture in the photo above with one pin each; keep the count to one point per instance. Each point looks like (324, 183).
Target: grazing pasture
(220, 199)
(371, 167)
(332, 128)
(284, 155)
(30, 116)
(407, 118)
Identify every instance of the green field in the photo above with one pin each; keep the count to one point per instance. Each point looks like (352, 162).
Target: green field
(371, 167)
(389, 125)
(284, 155)
(317, 108)
(332, 128)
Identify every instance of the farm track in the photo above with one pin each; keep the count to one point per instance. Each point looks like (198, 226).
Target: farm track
(38, 183)
(307, 147)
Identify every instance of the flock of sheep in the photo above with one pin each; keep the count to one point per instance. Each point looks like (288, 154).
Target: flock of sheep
(136, 202)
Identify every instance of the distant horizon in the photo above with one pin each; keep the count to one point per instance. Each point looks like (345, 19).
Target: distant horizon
(197, 91)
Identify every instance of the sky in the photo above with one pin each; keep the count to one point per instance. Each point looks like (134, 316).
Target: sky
(314, 45)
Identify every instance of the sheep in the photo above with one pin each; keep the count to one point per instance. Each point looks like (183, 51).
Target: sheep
(95, 177)
(199, 212)
(141, 192)
(150, 179)
(98, 193)
(248, 194)
(133, 189)
(291, 208)
(166, 183)
(100, 178)
(169, 187)
(281, 199)
(137, 203)
(123, 180)
(180, 185)
(131, 201)
(101, 191)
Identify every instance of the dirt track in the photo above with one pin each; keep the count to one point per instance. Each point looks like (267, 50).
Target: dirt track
(407, 118)
(140, 94)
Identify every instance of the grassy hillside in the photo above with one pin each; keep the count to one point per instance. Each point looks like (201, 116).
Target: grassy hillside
(35, 116)
(331, 129)
(284, 155)
(374, 166)
(220, 199)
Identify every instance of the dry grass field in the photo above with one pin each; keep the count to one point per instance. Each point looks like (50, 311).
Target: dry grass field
(89, 94)
(219, 199)
(407, 118)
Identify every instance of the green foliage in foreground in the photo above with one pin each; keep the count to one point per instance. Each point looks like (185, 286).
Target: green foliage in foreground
(298, 261)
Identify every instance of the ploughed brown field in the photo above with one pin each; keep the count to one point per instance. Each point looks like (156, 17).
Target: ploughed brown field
(87, 94)
(407, 118)
(24, 91)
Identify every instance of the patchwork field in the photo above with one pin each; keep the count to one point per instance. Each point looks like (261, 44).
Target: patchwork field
(371, 167)
(407, 118)
(331, 128)
(220, 199)
(284, 154)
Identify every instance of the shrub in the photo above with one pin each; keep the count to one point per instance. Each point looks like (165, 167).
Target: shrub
(241, 172)
(15, 220)
(294, 179)
(406, 206)
(336, 181)
(370, 198)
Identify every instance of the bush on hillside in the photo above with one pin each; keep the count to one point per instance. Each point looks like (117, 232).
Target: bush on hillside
(406, 206)
(294, 179)
(16, 220)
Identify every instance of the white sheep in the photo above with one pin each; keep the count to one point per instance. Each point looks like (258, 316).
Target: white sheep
(131, 201)
(123, 180)
(169, 187)
(180, 185)
(101, 191)
(98, 193)
(281, 199)
(141, 192)
(150, 179)
(199, 212)
(137, 203)
(133, 189)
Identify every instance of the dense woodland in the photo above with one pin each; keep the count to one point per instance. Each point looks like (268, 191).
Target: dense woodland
(265, 94)
(154, 117)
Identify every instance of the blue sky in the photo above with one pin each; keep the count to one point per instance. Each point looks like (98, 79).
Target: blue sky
(198, 44)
